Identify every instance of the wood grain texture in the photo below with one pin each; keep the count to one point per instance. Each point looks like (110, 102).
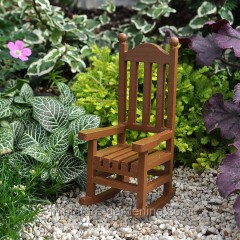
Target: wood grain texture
(141, 158)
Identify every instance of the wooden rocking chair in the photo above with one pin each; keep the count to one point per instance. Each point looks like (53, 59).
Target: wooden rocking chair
(140, 159)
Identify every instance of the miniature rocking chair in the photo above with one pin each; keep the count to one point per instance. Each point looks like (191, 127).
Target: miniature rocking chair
(140, 159)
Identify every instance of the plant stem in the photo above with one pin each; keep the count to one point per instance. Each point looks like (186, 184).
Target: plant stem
(39, 16)
(229, 63)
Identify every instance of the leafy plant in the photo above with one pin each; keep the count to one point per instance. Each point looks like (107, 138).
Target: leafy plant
(96, 90)
(44, 130)
(225, 116)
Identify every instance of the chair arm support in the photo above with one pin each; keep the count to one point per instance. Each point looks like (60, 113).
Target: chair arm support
(95, 133)
(148, 143)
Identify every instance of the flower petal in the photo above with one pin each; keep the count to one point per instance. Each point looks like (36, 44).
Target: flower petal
(13, 54)
(11, 46)
(19, 44)
(26, 52)
(23, 58)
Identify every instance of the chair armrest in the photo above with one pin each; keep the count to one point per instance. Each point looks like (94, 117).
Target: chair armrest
(95, 133)
(148, 143)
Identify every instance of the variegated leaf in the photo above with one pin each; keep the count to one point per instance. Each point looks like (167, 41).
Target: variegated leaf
(6, 112)
(69, 167)
(75, 112)
(89, 121)
(23, 163)
(21, 111)
(37, 152)
(26, 92)
(45, 4)
(58, 142)
(50, 113)
(17, 129)
(66, 97)
(34, 134)
(6, 140)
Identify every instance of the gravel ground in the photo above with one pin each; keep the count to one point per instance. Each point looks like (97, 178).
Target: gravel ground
(196, 212)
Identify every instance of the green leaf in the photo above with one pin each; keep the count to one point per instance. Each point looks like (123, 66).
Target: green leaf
(26, 92)
(50, 113)
(75, 112)
(34, 134)
(58, 142)
(18, 99)
(23, 163)
(6, 112)
(157, 12)
(226, 14)
(6, 140)
(45, 4)
(69, 167)
(5, 103)
(66, 97)
(56, 36)
(37, 152)
(206, 8)
(104, 19)
(197, 22)
(20, 111)
(17, 130)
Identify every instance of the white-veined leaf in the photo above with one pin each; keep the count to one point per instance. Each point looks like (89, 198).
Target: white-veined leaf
(21, 111)
(37, 152)
(5, 103)
(81, 180)
(18, 99)
(50, 113)
(23, 163)
(58, 142)
(89, 121)
(17, 130)
(6, 140)
(69, 167)
(75, 112)
(34, 134)
(66, 97)
(26, 92)
(6, 112)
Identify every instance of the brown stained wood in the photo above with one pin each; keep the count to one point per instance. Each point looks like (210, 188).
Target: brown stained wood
(160, 95)
(148, 53)
(95, 133)
(139, 159)
(147, 91)
(133, 90)
(151, 142)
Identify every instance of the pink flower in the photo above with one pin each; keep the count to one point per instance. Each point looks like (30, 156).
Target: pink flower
(17, 50)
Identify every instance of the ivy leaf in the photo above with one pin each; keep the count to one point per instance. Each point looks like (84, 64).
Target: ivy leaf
(34, 134)
(50, 113)
(223, 115)
(66, 97)
(58, 142)
(227, 37)
(69, 167)
(206, 8)
(6, 140)
(206, 49)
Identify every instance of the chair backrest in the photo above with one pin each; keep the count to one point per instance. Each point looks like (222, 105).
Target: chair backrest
(147, 53)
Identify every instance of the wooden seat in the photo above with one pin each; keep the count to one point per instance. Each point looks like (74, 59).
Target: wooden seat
(115, 165)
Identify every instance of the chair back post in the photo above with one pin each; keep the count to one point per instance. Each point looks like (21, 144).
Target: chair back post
(172, 83)
(122, 84)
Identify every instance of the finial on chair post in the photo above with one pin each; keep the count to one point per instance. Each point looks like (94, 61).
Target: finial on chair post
(122, 37)
(174, 42)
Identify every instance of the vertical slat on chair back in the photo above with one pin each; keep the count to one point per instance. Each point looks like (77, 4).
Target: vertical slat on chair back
(148, 54)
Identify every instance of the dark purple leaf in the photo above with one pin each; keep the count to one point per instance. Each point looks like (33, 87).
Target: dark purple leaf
(228, 181)
(227, 37)
(215, 26)
(206, 49)
(184, 41)
(223, 115)
(236, 97)
(236, 207)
